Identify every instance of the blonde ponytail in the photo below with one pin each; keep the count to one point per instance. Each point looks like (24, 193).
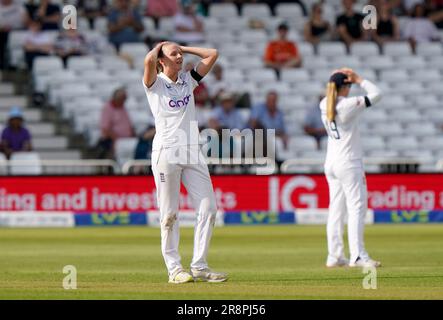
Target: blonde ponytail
(331, 101)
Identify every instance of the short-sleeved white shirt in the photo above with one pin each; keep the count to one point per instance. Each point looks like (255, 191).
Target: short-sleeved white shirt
(344, 135)
(173, 107)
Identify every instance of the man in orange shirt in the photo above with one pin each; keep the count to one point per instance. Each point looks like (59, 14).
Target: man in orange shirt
(282, 53)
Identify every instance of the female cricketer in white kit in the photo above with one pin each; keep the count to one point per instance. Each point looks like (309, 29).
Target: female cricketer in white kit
(344, 167)
(176, 155)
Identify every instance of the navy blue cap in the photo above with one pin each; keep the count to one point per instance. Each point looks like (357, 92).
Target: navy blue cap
(339, 79)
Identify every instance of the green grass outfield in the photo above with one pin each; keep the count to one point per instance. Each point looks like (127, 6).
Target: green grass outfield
(266, 262)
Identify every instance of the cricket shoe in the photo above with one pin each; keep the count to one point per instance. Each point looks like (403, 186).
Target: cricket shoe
(208, 275)
(340, 262)
(367, 263)
(181, 276)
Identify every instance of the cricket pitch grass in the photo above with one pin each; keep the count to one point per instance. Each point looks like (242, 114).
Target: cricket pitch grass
(263, 262)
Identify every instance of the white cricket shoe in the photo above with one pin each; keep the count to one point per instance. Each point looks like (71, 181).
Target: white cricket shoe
(340, 262)
(181, 276)
(208, 275)
(367, 263)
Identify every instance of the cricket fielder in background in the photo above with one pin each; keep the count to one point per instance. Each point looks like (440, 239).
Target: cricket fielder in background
(170, 95)
(344, 167)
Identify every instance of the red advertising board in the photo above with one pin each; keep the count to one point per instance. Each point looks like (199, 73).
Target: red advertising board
(277, 193)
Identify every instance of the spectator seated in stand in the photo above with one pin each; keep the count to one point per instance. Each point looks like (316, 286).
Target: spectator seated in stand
(124, 24)
(13, 16)
(114, 124)
(282, 53)
(267, 116)
(420, 28)
(37, 43)
(15, 137)
(143, 149)
(317, 29)
(70, 43)
(46, 12)
(92, 9)
(349, 24)
(189, 27)
(313, 124)
(157, 9)
(216, 84)
(226, 116)
(388, 28)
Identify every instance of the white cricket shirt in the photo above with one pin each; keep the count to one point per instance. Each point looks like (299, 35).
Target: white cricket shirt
(173, 107)
(343, 133)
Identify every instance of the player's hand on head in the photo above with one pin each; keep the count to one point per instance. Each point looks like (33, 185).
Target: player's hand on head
(353, 77)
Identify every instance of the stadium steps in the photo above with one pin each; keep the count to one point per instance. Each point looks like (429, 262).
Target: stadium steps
(50, 138)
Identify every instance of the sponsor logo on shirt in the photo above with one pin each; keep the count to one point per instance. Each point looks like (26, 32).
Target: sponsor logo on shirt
(162, 177)
(180, 103)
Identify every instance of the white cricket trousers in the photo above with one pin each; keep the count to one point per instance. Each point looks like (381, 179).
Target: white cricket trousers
(347, 195)
(170, 167)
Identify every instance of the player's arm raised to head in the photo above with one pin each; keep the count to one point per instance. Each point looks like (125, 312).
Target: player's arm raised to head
(208, 57)
(373, 93)
(355, 105)
(150, 73)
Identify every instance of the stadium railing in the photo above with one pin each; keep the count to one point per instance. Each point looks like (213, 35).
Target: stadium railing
(58, 167)
(400, 165)
(245, 166)
(259, 165)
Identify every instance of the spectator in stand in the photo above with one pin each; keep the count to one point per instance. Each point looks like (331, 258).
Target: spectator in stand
(317, 28)
(70, 43)
(188, 26)
(313, 125)
(92, 9)
(226, 116)
(158, 9)
(282, 53)
(143, 149)
(349, 24)
(13, 16)
(435, 10)
(419, 28)
(216, 83)
(388, 28)
(15, 137)
(45, 11)
(124, 24)
(114, 124)
(268, 116)
(37, 43)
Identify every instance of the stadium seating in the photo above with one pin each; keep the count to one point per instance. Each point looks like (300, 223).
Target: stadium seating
(411, 82)
(25, 163)
(124, 149)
